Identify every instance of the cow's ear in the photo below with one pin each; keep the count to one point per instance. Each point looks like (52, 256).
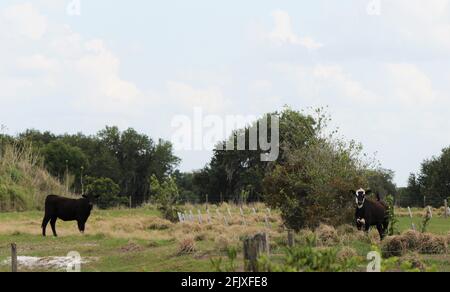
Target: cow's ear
(85, 196)
(353, 192)
(368, 192)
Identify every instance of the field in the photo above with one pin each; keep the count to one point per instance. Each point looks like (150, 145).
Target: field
(139, 240)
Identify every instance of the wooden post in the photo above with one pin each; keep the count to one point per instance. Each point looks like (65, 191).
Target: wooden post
(13, 258)
(291, 238)
(208, 216)
(446, 208)
(254, 247)
(413, 226)
(430, 212)
(131, 206)
(266, 220)
(200, 219)
(243, 216)
(229, 213)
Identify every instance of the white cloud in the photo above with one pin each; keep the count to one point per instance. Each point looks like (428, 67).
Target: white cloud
(84, 72)
(424, 22)
(211, 99)
(24, 20)
(283, 33)
(324, 84)
(409, 85)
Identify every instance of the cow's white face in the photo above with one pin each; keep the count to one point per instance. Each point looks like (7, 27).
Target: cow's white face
(360, 197)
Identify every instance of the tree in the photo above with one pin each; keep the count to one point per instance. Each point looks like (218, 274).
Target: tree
(164, 161)
(60, 157)
(312, 187)
(166, 196)
(432, 185)
(381, 181)
(106, 191)
(231, 172)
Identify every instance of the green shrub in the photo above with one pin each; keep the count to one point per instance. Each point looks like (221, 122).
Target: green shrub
(393, 220)
(106, 192)
(310, 259)
(166, 196)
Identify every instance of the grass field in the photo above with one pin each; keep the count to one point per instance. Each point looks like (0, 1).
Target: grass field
(139, 240)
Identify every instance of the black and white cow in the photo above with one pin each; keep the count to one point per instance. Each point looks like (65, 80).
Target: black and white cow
(370, 213)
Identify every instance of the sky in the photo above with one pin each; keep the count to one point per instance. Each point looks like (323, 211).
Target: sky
(382, 68)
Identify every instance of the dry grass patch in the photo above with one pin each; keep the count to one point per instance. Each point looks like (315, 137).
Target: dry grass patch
(393, 246)
(327, 235)
(186, 246)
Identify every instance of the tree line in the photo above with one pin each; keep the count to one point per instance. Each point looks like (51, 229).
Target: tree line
(112, 161)
(313, 173)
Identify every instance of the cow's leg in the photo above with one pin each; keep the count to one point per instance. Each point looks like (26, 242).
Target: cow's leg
(385, 225)
(380, 230)
(53, 224)
(366, 228)
(44, 224)
(81, 226)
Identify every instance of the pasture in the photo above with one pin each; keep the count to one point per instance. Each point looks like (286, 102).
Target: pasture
(139, 240)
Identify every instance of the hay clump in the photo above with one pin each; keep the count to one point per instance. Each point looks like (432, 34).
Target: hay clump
(433, 244)
(186, 246)
(393, 246)
(327, 235)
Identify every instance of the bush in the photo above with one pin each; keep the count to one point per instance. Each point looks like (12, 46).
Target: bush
(312, 184)
(433, 244)
(393, 246)
(166, 196)
(346, 253)
(327, 235)
(106, 192)
(310, 259)
(393, 220)
(412, 240)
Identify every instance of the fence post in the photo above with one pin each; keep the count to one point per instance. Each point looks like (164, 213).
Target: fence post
(243, 216)
(200, 219)
(412, 222)
(291, 238)
(430, 212)
(13, 257)
(446, 208)
(253, 248)
(208, 216)
(229, 213)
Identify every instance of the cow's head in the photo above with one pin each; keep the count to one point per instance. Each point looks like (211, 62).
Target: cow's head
(360, 196)
(91, 198)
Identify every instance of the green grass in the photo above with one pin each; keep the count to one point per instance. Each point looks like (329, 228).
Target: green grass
(108, 254)
(118, 240)
(437, 225)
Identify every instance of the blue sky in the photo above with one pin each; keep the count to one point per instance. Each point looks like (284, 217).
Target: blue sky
(385, 78)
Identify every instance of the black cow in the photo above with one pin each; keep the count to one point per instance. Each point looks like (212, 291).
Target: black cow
(371, 213)
(57, 207)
